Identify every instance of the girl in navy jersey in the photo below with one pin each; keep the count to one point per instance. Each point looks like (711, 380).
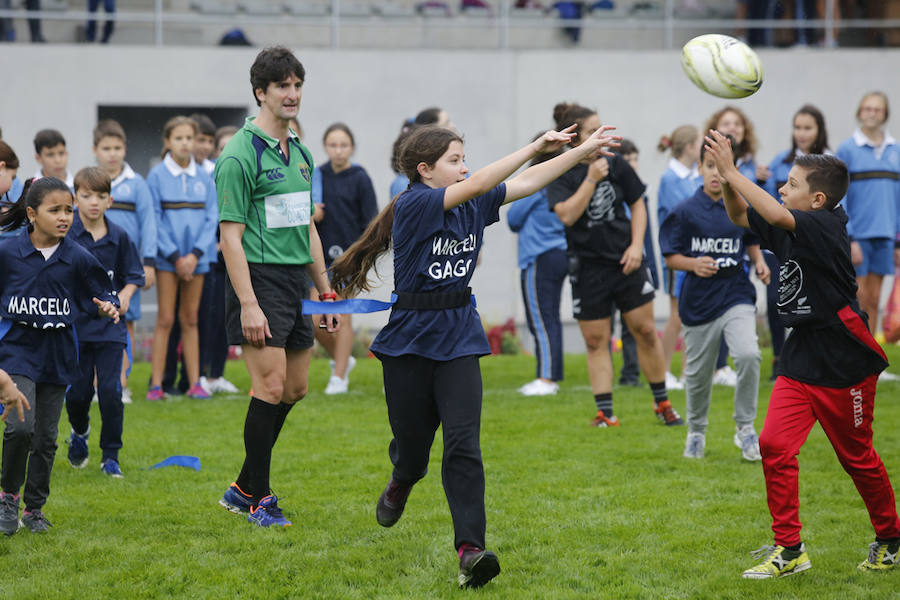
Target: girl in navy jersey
(343, 210)
(731, 120)
(184, 198)
(430, 347)
(716, 299)
(46, 281)
(808, 136)
(606, 263)
(873, 157)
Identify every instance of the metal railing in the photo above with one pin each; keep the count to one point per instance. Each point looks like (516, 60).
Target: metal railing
(501, 21)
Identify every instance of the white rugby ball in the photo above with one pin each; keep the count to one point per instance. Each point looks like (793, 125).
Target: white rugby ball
(722, 66)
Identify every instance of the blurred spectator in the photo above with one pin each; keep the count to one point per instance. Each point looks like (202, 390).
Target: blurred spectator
(34, 25)
(90, 30)
(235, 37)
(574, 11)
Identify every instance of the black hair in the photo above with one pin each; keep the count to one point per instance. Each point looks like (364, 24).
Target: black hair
(428, 116)
(15, 213)
(47, 138)
(821, 141)
(827, 174)
(625, 148)
(728, 137)
(274, 65)
(205, 125)
(339, 127)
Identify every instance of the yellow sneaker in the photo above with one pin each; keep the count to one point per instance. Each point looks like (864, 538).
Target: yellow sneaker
(778, 561)
(882, 556)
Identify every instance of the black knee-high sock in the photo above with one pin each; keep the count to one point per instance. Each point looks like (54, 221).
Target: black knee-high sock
(283, 409)
(659, 392)
(259, 427)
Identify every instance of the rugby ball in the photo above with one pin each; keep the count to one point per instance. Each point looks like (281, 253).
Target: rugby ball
(722, 66)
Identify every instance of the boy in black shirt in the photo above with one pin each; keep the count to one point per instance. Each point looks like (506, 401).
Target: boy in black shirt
(830, 363)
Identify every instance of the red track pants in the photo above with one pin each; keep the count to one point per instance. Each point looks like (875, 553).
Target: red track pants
(846, 416)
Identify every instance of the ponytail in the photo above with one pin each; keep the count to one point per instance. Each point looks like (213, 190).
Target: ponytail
(15, 214)
(678, 140)
(350, 271)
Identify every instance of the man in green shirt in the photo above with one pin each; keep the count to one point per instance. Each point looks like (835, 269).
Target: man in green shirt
(269, 241)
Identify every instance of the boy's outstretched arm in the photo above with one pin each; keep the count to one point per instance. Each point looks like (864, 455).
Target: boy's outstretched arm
(768, 207)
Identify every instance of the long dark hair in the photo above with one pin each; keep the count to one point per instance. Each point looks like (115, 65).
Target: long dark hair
(821, 141)
(350, 271)
(14, 214)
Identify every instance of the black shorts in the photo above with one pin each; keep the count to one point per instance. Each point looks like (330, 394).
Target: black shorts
(280, 290)
(597, 286)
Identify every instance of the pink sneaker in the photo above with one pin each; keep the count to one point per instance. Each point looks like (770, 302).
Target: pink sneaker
(198, 393)
(155, 393)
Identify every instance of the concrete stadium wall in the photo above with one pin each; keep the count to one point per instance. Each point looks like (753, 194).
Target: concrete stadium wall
(498, 100)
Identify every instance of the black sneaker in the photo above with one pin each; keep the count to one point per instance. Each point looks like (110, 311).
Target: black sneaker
(391, 503)
(9, 513)
(35, 521)
(477, 567)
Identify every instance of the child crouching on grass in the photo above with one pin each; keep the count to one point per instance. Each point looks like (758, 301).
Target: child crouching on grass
(101, 343)
(45, 282)
(430, 347)
(830, 363)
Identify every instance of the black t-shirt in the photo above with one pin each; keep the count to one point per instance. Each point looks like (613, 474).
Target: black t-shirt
(816, 280)
(603, 231)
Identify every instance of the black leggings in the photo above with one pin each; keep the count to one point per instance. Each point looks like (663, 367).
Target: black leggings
(422, 394)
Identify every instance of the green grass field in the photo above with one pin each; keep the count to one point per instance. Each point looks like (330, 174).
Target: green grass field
(573, 511)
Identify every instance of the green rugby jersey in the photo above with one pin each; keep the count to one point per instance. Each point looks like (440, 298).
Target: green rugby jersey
(268, 193)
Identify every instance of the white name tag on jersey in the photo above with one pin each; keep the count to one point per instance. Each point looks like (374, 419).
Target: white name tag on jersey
(287, 210)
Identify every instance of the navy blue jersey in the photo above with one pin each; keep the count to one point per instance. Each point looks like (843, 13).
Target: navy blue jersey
(350, 204)
(697, 227)
(435, 251)
(816, 281)
(119, 256)
(40, 301)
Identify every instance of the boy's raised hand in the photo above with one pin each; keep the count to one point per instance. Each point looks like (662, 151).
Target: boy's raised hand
(554, 140)
(719, 147)
(599, 141)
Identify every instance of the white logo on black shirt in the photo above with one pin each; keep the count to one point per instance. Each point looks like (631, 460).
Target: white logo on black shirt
(790, 282)
(602, 206)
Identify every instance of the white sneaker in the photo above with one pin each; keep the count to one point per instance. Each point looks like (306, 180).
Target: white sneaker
(126, 396)
(746, 439)
(351, 364)
(695, 445)
(204, 383)
(220, 384)
(539, 387)
(95, 398)
(673, 383)
(725, 376)
(336, 385)
(885, 376)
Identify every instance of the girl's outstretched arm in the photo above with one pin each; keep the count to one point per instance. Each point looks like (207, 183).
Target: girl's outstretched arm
(487, 178)
(768, 207)
(539, 176)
